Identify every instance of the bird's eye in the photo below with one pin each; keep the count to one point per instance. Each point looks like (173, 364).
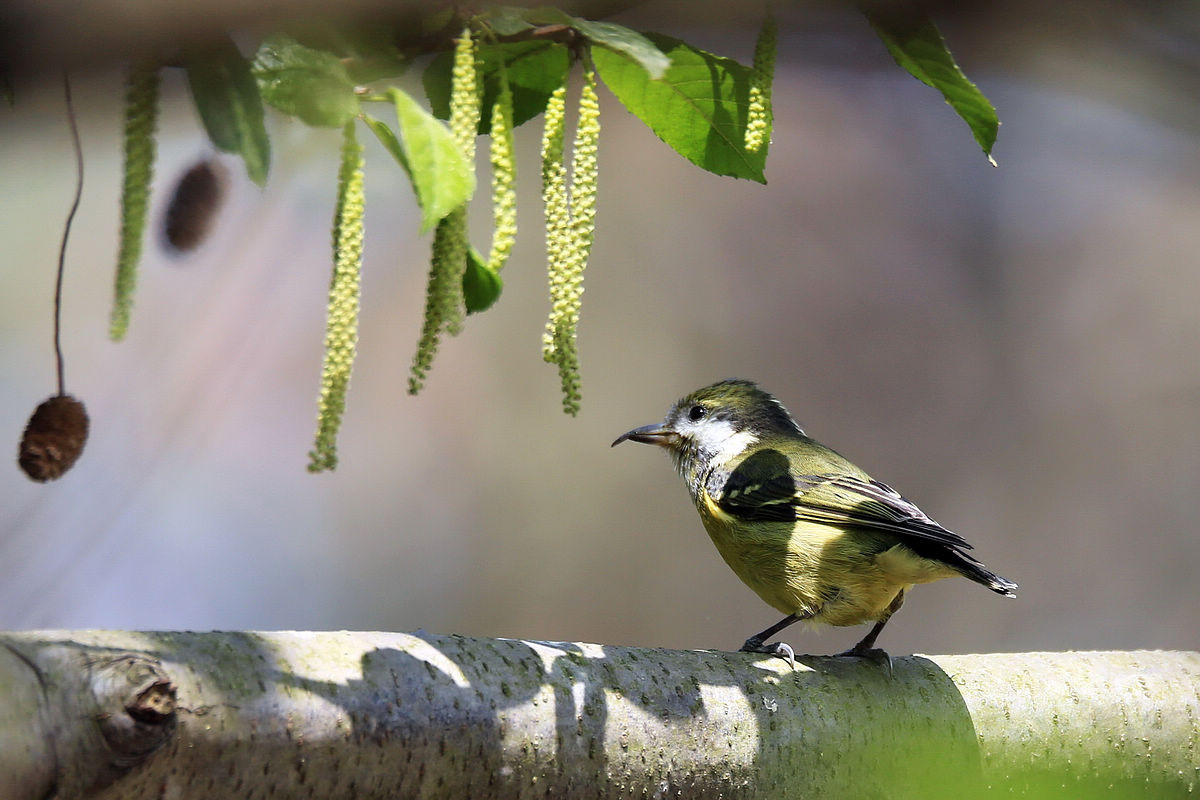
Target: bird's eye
(696, 413)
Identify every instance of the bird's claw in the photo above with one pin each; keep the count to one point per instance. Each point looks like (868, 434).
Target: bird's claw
(876, 654)
(781, 649)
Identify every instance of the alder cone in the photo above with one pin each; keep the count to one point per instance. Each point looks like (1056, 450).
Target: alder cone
(194, 206)
(54, 438)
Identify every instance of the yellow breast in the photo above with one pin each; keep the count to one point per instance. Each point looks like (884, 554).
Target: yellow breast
(834, 575)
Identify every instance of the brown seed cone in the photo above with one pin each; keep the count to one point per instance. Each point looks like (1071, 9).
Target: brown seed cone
(194, 205)
(54, 438)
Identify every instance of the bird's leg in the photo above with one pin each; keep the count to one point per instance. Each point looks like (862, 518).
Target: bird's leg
(866, 647)
(756, 643)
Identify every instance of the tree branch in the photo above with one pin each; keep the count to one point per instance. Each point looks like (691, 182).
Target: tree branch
(407, 715)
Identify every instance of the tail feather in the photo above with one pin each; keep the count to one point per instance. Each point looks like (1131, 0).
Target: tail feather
(965, 565)
(976, 571)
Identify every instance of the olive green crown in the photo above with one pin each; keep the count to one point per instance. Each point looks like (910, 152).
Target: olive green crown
(741, 402)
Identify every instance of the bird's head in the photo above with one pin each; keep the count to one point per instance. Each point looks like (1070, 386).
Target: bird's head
(718, 423)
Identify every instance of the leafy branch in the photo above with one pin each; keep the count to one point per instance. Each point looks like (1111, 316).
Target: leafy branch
(486, 74)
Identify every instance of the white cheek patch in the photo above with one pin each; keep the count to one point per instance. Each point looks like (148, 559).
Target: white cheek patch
(719, 440)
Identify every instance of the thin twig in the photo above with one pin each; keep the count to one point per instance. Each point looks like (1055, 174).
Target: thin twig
(62, 251)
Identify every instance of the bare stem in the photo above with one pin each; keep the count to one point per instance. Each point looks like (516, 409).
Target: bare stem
(62, 251)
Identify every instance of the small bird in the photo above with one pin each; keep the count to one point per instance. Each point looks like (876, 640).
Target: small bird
(812, 534)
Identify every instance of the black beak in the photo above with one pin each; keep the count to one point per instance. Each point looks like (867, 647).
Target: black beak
(650, 434)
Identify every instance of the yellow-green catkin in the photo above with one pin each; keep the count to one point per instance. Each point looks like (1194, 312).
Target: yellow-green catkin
(585, 171)
(443, 293)
(760, 115)
(571, 226)
(504, 178)
(341, 329)
(444, 305)
(141, 116)
(556, 202)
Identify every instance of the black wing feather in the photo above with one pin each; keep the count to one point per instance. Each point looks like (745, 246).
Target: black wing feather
(762, 487)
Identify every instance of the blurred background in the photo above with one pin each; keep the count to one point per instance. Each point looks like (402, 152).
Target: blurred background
(1017, 349)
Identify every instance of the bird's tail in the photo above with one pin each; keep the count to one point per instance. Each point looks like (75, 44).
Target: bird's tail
(976, 571)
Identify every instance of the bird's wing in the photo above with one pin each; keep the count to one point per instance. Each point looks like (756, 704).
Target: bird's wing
(845, 499)
(763, 487)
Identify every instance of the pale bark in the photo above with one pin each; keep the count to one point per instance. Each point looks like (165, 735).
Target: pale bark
(374, 715)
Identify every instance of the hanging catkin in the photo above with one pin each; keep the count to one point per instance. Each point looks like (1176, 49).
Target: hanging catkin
(444, 309)
(341, 330)
(504, 177)
(57, 431)
(570, 227)
(556, 201)
(759, 114)
(141, 114)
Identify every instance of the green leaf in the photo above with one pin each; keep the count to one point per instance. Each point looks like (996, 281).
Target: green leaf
(481, 284)
(509, 21)
(368, 52)
(628, 42)
(534, 69)
(441, 176)
(506, 20)
(227, 99)
(388, 139)
(310, 84)
(699, 107)
(544, 15)
(918, 47)
(437, 20)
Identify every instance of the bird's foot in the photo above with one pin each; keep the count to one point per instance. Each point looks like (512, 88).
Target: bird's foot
(781, 649)
(876, 654)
